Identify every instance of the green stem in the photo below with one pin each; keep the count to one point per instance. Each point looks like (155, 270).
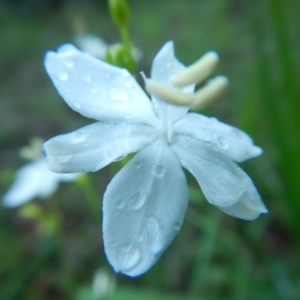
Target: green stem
(92, 197)
(205, 251)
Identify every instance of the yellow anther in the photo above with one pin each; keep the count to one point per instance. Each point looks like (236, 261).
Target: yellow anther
(167, 93)
(211, 92)
(196, 72)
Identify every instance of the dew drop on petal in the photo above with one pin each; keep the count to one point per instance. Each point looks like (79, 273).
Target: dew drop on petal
(128, 84)
(119, 204)
(77, 105)
(69, 63)
(118, 95)
(94, 90)
(63, 158)
(78, 136)
(138, 237)
(158, 170)
(137, 200)
(214, 120)
(125, 73)
(62, 76)
(113, 242)
(177, 225)
(128, 257)
(138, 164)
(120, 158)
(205, 137)
(153, 235)
(86, 77)
(222, 142)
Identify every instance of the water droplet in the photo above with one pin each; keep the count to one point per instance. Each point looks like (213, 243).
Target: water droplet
(113, 242)
(177, 225)
(94, 90)
(118, 95)
(137, 200)
(138, 164)
(222, 142)
(63, 158)
(119, 204)
(138, 237)
(168, 64)
(214, 120)
(120, 158)
(78, 136)
(86, 77)
(69, 63)
(128, 84)
(63, 76)
(158, 170)
(205, 137)
(77, 105)
(239, 133)
(107, 76)
(129, 256)
(127, 117)
(153, 235)
(125, 73)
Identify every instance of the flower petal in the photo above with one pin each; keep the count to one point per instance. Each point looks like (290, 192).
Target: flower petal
(32, 180)
(94, 146)
(96, 89)
(143, 209)
(223, 183)
(226, 139)
(164, 66)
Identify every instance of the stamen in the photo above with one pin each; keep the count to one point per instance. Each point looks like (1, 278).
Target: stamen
(197, 72)
(212, 91)
(167, 93)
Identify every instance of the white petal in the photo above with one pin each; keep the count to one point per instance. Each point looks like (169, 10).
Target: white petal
(164, 66)
(143, 209)
(93, 147)
(223, 183)
(32, 180)
(226, 139)
(96, 89)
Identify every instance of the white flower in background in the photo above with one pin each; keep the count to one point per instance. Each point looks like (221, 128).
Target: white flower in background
(92, 45)
(145, 203)
(97, 47)
(104, 284)
(34, 179)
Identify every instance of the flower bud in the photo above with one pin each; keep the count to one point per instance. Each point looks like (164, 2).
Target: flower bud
(119, 11)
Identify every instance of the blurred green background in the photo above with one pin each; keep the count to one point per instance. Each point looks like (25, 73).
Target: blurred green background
(55, 252)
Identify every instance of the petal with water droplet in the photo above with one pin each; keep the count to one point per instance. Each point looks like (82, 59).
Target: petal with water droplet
(229, 140)
(77, 86)
(92, 147)
(153, 211)
(223, 183)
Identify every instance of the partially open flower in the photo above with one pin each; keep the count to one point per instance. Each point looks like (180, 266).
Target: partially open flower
(145, 203)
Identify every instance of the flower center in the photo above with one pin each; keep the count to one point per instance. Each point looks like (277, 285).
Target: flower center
(165, 126)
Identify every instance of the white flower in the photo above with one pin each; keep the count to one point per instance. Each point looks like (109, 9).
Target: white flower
(33, 180)
(145, 203)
